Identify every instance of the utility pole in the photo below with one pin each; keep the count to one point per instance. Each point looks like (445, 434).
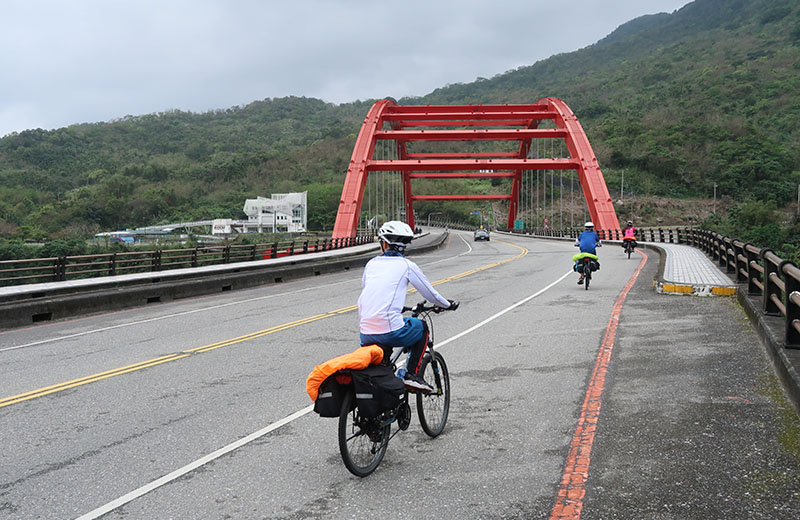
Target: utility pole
(715, 198)
(622, 186)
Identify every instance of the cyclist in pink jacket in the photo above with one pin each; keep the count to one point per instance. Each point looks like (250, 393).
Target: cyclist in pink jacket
(629, 233)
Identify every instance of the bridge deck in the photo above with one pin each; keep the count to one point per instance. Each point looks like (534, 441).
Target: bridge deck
(692, 424)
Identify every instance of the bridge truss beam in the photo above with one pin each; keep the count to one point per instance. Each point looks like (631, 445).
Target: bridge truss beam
(413, 124)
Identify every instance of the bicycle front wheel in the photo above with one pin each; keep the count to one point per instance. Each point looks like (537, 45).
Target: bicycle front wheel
(362, 441)
(433, 407)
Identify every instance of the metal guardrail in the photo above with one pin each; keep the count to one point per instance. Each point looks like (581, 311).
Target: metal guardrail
(775, 280)
(54, 269)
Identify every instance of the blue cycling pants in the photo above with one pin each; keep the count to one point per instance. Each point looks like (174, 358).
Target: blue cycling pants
(412, 334)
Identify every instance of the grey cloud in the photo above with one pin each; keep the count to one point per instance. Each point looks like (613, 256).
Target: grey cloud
(97, 60)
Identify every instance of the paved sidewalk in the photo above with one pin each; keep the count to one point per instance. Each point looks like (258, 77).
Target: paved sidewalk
(687, 270)
(693, 424)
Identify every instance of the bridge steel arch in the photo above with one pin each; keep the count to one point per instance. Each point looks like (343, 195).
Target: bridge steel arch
(404, 124)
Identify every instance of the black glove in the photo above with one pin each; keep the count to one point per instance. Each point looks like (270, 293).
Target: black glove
(453, 306)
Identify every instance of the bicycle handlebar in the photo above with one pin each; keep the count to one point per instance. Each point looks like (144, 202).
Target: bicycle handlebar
(421, 307)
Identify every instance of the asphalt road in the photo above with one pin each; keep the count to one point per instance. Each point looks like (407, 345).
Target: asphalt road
(197, 408)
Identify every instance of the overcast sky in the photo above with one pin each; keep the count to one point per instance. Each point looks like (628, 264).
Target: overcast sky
(72, 61)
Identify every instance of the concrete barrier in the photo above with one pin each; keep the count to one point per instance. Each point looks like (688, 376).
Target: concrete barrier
(772, 329)
(29, 304)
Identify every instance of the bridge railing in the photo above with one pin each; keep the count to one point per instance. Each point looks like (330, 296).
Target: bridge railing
(766, 275)
(61, 268)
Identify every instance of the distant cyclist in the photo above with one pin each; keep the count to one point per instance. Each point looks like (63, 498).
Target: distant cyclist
(629, 233)
(588, 242)
(384, 284)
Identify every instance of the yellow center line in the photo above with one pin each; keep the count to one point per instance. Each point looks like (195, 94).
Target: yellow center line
(14, 399)
(88, 379)
(254, 335)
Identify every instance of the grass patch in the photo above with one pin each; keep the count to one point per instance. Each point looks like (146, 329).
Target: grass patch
(789, 436)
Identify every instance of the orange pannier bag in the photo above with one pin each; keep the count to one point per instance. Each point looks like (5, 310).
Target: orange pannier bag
(359, 359)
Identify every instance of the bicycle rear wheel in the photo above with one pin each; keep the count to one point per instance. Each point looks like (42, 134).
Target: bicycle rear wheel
(587, 275)
(628, 249)
(362, 441)
(434, 407)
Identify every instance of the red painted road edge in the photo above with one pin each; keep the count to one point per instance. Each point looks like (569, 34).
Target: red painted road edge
(569, 501)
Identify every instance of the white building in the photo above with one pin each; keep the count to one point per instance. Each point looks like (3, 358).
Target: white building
(283, 212)
(221, 226)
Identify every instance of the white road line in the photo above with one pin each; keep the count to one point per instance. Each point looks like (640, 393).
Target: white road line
(468, 251)
(100, 511)
(121, 501)
(507, 309)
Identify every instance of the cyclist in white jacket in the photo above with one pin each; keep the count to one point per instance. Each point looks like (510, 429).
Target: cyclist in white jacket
(384, 285)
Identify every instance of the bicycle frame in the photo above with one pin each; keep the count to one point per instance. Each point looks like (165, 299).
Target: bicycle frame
(423, 313)
(587, 272)
(361, 456)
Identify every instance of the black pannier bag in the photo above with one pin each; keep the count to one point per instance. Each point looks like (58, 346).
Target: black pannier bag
(595, 265)
(329, 400)
(377, 389)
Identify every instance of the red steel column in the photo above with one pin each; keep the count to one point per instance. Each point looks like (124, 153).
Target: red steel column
(353, 191)
(595, 191)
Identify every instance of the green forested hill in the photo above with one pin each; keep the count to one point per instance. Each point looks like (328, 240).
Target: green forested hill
(176, 165)
(709, 94)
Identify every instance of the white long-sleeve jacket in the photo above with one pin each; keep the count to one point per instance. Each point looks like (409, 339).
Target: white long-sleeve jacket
(383, 294)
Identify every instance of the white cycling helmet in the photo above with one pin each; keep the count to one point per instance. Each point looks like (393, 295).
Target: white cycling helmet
(396, 234)
(589, 225)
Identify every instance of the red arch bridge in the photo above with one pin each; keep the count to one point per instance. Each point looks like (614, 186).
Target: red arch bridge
(517, 143)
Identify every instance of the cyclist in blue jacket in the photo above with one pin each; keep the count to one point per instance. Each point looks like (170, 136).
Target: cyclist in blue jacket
(588, 242)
